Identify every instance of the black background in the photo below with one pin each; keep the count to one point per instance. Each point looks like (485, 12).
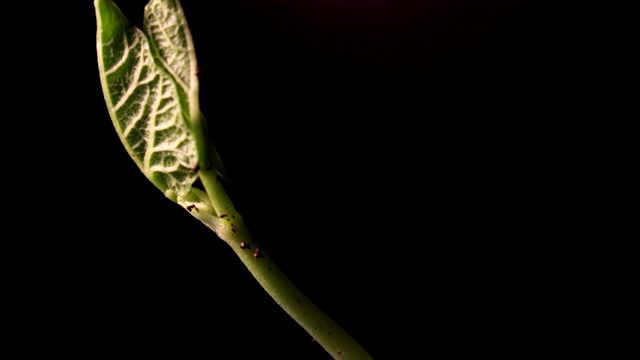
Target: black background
(386, 153)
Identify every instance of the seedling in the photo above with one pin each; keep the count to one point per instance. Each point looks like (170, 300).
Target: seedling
(150, 83)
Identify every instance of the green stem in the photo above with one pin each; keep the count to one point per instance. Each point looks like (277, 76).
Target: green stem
(232, 229)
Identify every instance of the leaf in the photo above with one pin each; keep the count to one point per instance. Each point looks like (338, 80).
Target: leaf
(170, 38)
(172, 44)
(144, 103)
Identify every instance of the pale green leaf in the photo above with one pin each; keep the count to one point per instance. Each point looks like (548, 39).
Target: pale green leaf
(166, 27)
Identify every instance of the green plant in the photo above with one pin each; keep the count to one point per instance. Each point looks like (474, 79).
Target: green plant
(150, 83)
